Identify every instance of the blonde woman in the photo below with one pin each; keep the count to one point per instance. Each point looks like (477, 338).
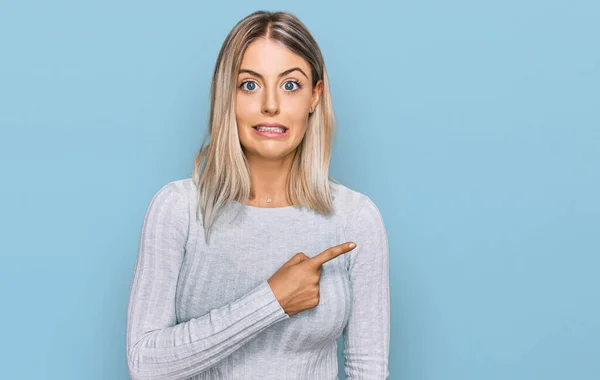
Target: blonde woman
(247, 270)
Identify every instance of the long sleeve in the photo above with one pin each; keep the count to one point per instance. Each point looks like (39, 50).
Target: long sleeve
(158, 347)
(367, 334)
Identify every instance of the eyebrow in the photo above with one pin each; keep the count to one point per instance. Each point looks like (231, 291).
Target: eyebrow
(286, 72)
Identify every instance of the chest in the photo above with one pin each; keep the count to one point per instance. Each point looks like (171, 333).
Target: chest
(244, 252)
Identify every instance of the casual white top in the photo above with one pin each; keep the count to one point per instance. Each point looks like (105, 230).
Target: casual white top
(199, 311)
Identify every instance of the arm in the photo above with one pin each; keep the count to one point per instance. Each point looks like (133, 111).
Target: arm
(367, 334)
(157, 347)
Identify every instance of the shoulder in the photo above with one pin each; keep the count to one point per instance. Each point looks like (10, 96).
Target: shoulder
(350, 202)
(346, 201)
(354, 206)
(173, 196)
(167, 215)
(357, 208)
(363, 224)
(181, 189)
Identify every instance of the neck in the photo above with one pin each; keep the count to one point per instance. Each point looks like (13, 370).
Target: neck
(268, 180)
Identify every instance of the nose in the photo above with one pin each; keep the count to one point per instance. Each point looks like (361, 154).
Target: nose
(270, 104)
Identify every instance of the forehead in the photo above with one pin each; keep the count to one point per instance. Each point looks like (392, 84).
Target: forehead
(269, 57)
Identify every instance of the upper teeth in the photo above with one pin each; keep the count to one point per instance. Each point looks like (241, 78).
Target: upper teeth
(270, 129)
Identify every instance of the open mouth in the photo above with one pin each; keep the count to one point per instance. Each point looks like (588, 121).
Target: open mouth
(261, 128)
(271, 131)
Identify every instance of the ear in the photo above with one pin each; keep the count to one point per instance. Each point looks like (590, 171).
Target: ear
(316, 93)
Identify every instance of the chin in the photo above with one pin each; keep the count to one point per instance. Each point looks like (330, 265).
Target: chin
(271, 154)
(275, 155)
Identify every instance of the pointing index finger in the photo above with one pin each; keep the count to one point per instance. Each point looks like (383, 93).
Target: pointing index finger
(332, 253)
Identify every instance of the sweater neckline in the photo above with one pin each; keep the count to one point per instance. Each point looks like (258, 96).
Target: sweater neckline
(284, 210)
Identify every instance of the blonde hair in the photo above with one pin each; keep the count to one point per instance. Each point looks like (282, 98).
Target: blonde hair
(221, 173)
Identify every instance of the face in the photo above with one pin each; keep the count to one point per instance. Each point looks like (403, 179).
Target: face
(274, 86)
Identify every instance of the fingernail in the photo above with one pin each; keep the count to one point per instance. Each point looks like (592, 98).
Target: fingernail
(351, 245)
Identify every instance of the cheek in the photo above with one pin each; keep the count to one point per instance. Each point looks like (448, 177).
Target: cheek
(240, 111)
(300, 121)
(297, 109)
(245, 108)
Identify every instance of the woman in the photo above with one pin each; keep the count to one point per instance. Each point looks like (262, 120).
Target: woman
(245, 270)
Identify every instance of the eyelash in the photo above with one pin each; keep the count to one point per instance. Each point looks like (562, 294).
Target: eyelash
(297, 82)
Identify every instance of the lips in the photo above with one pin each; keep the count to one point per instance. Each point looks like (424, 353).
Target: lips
(270, 132)
(267, 124)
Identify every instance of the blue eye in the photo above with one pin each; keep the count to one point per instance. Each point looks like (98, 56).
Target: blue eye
(251, 86)
(289, 86)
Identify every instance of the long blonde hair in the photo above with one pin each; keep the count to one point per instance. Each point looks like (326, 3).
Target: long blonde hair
(221, 173)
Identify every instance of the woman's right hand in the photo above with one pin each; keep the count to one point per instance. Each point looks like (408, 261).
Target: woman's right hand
(296, 283)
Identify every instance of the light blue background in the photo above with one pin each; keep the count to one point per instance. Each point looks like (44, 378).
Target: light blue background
(473, 125)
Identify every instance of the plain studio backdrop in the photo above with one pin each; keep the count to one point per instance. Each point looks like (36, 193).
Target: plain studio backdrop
(474, 126)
